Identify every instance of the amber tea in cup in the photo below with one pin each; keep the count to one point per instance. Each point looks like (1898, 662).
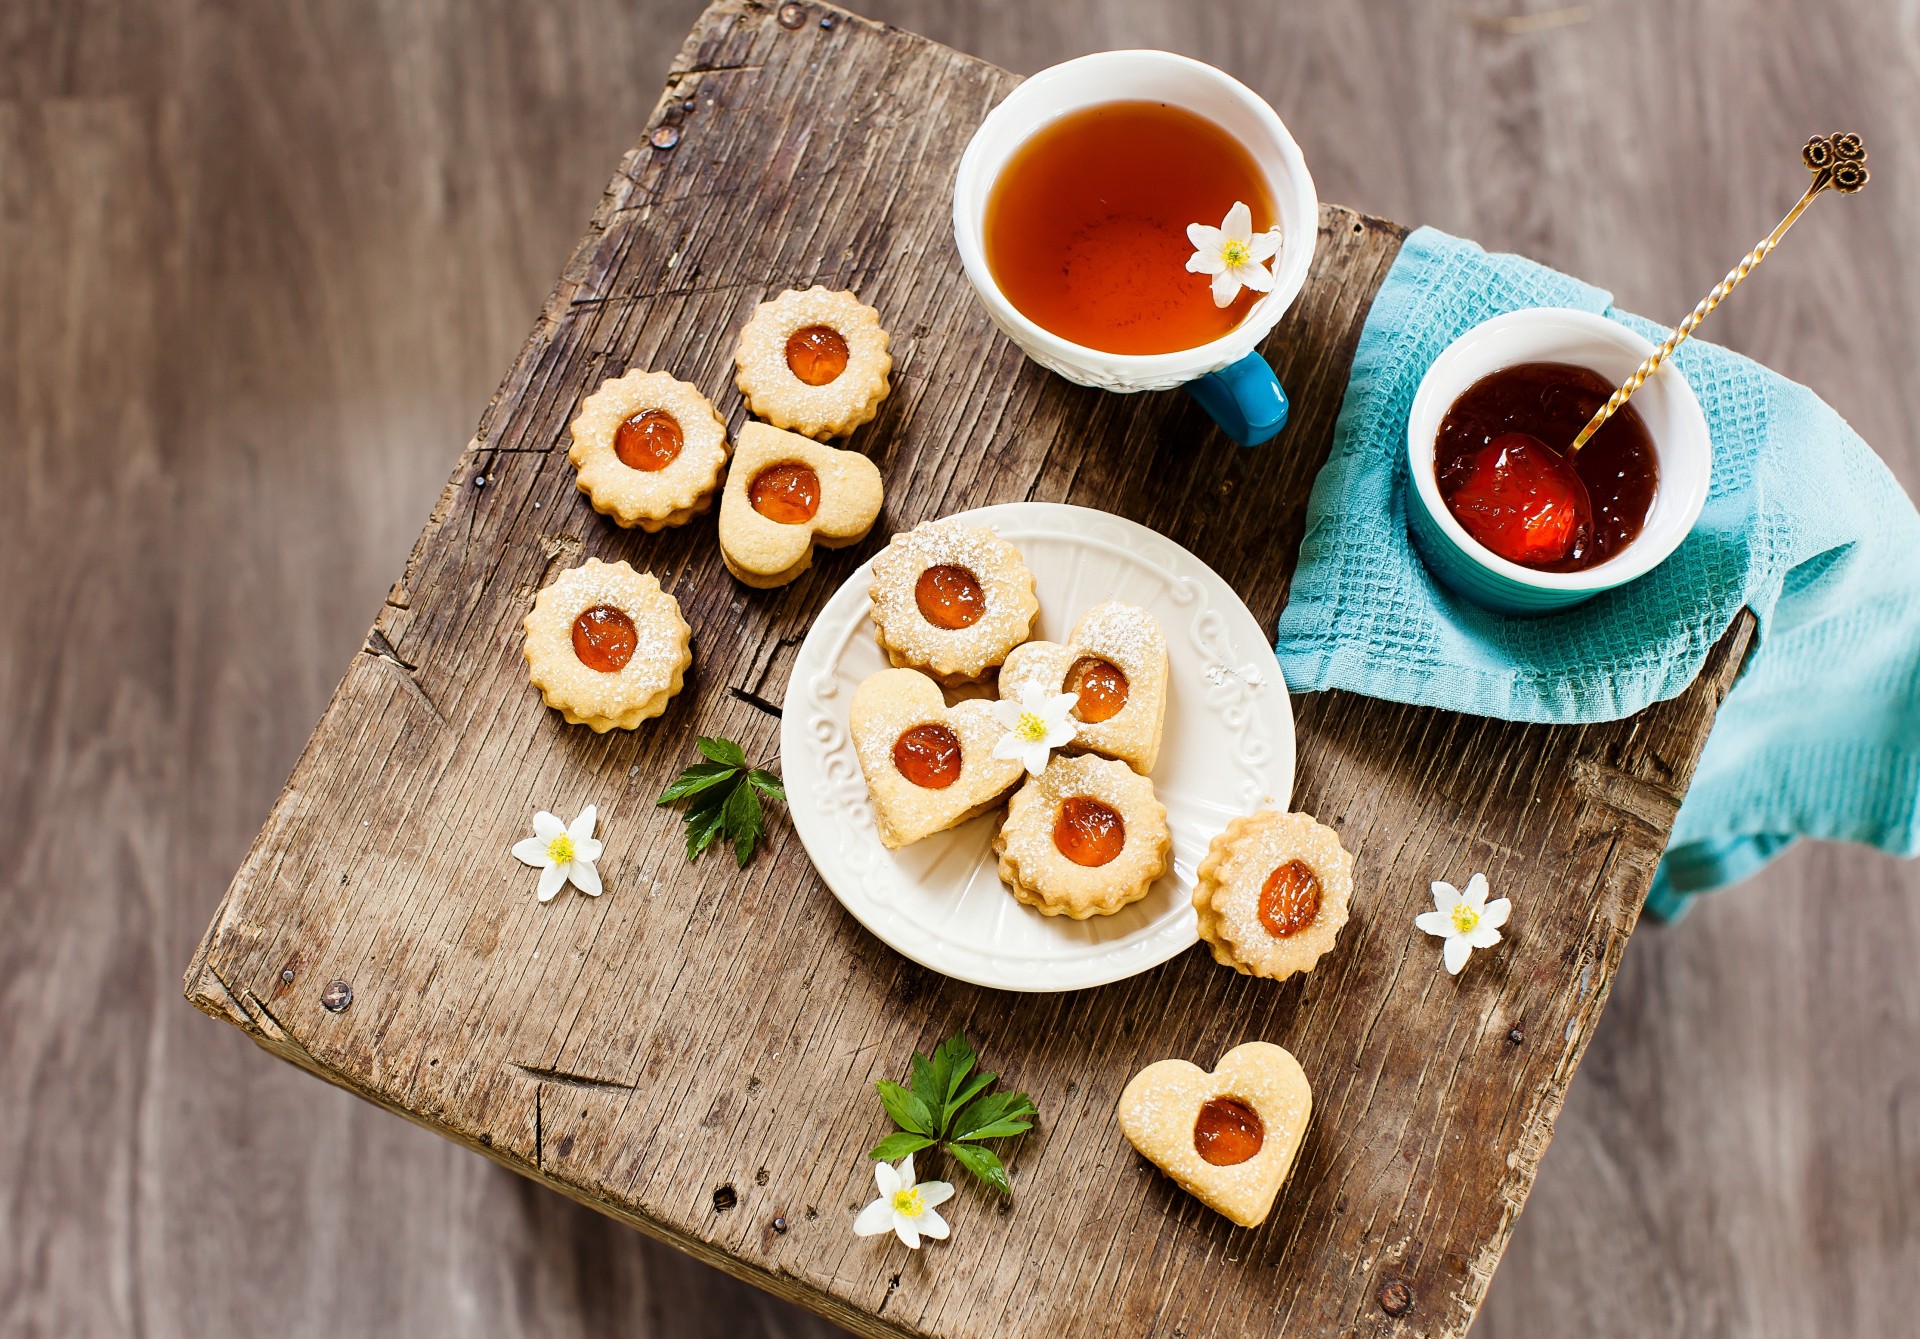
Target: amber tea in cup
(1086, 226)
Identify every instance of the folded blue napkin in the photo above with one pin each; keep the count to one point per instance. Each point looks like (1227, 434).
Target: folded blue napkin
(1820, 736)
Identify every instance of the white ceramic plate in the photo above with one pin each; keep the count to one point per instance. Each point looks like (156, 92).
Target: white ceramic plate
(1227, 751)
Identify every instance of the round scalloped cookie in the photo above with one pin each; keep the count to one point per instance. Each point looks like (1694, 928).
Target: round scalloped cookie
(1229, 893)
(982, 579)
(606, 646)
(649, 450)
(814, 362)
(1041, 874)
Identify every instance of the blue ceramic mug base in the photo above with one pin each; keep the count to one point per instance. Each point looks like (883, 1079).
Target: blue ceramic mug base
(1245, 399)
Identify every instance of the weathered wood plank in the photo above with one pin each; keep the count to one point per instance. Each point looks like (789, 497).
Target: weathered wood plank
(700, 1030)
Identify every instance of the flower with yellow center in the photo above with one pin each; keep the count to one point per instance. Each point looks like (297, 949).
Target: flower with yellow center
(563, 853)
(1233, 254)
(1466, 920)
(1037, 724)
(905, 1208)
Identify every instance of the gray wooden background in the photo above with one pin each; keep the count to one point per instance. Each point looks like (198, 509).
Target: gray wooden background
(260, 267)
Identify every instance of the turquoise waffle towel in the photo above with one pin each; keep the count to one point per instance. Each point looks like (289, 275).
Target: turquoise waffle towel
(1804, 525)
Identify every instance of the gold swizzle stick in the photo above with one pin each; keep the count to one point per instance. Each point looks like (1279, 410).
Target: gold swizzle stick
(1838, 162)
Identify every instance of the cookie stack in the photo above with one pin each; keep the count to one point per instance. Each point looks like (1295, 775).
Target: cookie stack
(1072, 737)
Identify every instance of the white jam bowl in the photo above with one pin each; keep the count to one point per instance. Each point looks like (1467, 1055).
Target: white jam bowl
(1149, 76)
(1666, 403)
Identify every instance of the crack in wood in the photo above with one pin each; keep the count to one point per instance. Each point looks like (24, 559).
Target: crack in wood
(593, 1082)
(755, 701)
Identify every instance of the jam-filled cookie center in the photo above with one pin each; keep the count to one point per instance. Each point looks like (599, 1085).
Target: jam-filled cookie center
(1088, 832)
(1228, 1131)
(604, 638)
(949, 597)
(649, 440)
(787, 493)
(928, 755)
(817, 354)
(1290, 899)
(1101, 687)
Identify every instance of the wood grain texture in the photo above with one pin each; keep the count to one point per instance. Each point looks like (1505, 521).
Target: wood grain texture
(233, 385)
(696, 1054)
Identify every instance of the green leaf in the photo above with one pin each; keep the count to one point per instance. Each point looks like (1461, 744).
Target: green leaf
(954, 1058)
(983, 1164)
(701, 776)
(742, 822)
(994, 1116)
(897, 1145)
(906, 1108)
(931, 1087)
(767, 784)
(722, 751)
(704, 822)
(969, 1090)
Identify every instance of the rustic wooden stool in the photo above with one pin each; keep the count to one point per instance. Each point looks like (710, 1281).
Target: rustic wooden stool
(694, 1052)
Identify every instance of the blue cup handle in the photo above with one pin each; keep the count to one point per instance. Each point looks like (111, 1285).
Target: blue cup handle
(1245, 399)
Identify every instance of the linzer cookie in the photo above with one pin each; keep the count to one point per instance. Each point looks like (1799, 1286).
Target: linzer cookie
(928, 766)
(787, 493)
(606, 646)
(951, 599)
(649, 450)
(815, 362)
(1115, 664)
(1272, 893)
(1228, 1138)
(1084, 838)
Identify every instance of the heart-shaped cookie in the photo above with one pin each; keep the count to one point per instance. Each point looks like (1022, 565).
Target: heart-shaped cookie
(1229, 1137)
(928, 766)
(786, 493)
(1116, 663)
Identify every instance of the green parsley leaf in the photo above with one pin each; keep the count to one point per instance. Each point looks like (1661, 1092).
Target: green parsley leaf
(994, 1116)
(701, 776)
(722, 751)
(743, 822)
(930, 1086)
(954, 1058)
(898, 1144)
(946, 1102)
(983, 1164)
(906, 1108)
(725, 799)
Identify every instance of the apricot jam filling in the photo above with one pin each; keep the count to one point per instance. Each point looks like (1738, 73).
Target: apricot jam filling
(1088, 832)
(817, 354)
(949, 597)
(928, 755)
(788, 493)
(1290, 899)
(650, 440)
(604, 639)
(1102, 689)
(1228, 1131)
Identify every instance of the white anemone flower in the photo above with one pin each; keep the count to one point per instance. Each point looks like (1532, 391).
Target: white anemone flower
(563, 853)
(1036, 725)
(1233, 254)
(904, 1208)
(1467, 921)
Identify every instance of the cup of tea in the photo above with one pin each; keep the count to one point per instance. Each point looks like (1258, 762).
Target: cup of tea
(1071, 212)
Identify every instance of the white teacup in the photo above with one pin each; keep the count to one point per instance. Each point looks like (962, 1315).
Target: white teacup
(1231, 381)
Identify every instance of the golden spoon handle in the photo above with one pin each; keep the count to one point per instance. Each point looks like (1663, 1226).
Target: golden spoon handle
(1680, 332)
(1838, 161)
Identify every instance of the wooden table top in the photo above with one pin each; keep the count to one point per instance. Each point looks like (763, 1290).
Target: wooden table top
(694, 1052)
